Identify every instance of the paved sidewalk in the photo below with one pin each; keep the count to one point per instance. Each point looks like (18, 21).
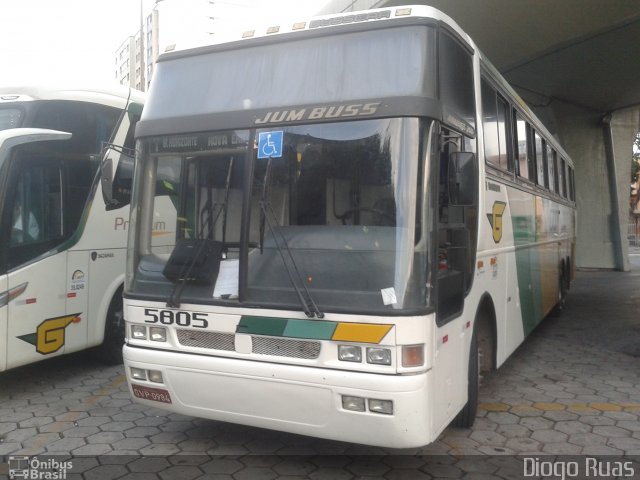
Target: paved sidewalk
(573, 388)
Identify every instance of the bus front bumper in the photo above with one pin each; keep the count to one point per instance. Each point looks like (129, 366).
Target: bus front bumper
(290, 398)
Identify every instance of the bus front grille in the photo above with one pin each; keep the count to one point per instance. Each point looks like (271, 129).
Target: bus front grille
(278, 347)
(282, 347)
(211, 340)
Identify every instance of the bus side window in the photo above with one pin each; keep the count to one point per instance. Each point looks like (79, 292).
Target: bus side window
(36, 203)
(522, 147)
(550, 174)
(563, 178)
(540, 145)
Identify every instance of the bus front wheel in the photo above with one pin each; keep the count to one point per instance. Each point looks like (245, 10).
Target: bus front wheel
(110, 352)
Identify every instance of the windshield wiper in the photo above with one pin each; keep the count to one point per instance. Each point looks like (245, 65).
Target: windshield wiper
(309, 306)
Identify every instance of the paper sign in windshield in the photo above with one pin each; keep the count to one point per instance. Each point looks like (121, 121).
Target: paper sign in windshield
(389, 296)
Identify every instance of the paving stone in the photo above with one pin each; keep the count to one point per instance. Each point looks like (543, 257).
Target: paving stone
(326, 473)
(587, 439)
(106, 472)
(294, 466)
(92, 450)
(624, 443)
(561, 448)
(148, 465)
(159, 449)
(141, 432)
(513, 431)
(596, 420)
(255, 473)
(536, 423)
(105, 437)
(65, 444)
(503, 418)
(81, 432)
(7, 448)
(6, 427)
(572, 427)
(549, 436)
(488, 437)
(611, 431)
(560, 415)
(523, 445)
(180, 473)
(222, 465)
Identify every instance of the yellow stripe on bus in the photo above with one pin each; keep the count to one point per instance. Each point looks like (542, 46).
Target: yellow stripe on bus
(360, 332)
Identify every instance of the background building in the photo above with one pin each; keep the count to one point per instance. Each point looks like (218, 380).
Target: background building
(195, 22)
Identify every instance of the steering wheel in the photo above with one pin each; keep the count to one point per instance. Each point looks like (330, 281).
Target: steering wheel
(351, 211)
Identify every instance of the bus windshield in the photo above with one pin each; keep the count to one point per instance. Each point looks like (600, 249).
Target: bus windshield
(334, 209)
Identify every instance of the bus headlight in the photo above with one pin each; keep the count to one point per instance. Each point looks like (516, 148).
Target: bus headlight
(349, 353)
(354, 404)
(379, 356)
(158, 334)
(138, 332)
(381, 406)
(138, 374)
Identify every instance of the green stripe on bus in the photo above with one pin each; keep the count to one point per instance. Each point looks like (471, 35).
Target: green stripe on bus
(287, 327)
(262, 326)
(313, 329)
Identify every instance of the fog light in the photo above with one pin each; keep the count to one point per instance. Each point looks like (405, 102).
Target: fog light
(381, 406)
(355, 404)
(379, 356)
(155, 376)
(349, 353)
(138, 332)
(138, 374)
(412, 355)
(158, 334)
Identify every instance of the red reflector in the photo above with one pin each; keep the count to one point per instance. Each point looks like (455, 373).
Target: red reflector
(71, 295)
(29, 301)
(468, 324)
(445, 339)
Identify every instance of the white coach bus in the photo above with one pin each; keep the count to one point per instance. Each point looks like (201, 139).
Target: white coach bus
(367, 217)
(62, 241)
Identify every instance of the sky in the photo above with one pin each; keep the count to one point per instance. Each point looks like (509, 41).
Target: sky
(61, 41)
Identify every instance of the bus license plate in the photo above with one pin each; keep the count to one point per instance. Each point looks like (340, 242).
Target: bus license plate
(148, 393)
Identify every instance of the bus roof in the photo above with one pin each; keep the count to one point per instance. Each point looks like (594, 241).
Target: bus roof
(330, 21)
(115, 96)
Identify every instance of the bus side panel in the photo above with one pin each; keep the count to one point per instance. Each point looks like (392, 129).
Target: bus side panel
(77, 287)
(106, 270)
(38, 321)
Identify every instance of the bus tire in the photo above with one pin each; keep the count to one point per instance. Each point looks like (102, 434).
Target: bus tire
(563, 287)
(110, 352)
(467, 415)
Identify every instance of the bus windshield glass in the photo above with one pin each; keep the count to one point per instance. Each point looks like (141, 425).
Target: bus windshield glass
(334, 210)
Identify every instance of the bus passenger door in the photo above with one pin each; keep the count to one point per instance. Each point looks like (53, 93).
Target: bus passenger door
(457, 236)
(34, 260)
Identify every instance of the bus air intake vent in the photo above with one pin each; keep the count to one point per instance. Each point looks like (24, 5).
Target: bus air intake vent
(281, 347)
(211, 340)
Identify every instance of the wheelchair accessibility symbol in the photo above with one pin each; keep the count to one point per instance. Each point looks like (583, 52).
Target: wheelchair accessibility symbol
(270, 144)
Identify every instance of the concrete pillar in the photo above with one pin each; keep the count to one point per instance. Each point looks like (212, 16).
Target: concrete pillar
(601, 147)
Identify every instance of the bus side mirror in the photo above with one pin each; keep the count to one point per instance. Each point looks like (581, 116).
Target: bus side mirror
(116, 186)
(463, 179)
